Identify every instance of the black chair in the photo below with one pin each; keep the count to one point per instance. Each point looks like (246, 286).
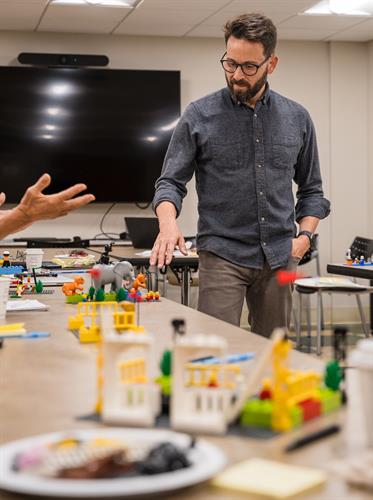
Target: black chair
(361, 247)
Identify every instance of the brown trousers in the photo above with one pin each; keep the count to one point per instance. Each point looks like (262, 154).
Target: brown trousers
(223, 286)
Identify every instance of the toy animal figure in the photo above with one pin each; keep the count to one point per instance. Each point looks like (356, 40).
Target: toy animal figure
(103, 274)
(138, 282)
(74, 288)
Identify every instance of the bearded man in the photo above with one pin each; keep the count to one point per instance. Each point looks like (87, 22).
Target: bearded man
(246, 145)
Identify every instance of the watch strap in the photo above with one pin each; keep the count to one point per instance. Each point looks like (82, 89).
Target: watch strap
(306, 233)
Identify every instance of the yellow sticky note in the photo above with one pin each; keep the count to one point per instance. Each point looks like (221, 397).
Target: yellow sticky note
(269, 478)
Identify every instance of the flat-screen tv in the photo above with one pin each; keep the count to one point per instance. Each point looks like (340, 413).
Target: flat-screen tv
(107, 128)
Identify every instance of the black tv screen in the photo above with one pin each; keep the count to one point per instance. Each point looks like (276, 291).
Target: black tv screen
(107, 128)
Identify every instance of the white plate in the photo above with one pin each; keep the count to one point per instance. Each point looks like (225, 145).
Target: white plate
(207, 460)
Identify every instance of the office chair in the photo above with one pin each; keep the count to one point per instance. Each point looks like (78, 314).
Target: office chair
(319, 285)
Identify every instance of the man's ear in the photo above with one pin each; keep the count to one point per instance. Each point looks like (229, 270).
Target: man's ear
(272, 64)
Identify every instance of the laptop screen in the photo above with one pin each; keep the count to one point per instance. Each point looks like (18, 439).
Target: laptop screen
(142, 231)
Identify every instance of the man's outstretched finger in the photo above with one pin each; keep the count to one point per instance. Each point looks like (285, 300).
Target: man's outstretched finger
(162, 254)
(170, 253)
(154, 254)
(42, 183)
(72, 191)
(80, 201)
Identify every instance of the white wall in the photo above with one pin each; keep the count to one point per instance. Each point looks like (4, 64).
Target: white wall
(370, 137)
(334, 81)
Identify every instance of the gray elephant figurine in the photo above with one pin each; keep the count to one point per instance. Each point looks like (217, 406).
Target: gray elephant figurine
(103, 274)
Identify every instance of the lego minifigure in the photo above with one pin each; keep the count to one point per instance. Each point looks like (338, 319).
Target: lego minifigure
(6, 261)
(348, 257)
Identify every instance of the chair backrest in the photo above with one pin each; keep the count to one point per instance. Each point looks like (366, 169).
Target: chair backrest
(312, 252)
(361, 246)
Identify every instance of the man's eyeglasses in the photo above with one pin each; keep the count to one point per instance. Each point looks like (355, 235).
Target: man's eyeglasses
(247, 68)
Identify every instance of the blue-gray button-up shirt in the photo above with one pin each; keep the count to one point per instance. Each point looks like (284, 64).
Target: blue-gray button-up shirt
(245, 161)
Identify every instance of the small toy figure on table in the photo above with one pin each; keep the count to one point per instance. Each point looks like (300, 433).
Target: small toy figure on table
(6, 261)
(138, 282)
(74, 288)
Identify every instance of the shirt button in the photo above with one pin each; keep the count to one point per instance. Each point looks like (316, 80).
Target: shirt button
(255, 115)
(257, 140)
(261, 193)
(264, 243)
(262, 219)
(259, 165)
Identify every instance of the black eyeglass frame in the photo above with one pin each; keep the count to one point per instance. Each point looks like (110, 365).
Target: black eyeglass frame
(257, 66)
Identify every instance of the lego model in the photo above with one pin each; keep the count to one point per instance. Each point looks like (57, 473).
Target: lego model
(289, 397)
(86, 324)
(127, 394)
(205, 385)
(11, 270)
(206, 389)
(74, 288)
(138, 282)
(113, 274)
(6, 257)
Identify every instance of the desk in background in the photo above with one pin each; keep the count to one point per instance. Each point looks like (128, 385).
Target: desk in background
(184, 265)
(365, 272)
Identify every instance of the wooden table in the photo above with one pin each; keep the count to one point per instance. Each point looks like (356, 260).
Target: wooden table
(182, 265)
(46, 383)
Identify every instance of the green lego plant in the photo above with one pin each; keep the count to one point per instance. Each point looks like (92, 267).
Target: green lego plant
(122, 294)
(100, 295)
(166, 363)
(91, 293)
(333, 375)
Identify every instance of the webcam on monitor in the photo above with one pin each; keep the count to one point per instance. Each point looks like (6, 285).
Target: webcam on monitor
(68, 60)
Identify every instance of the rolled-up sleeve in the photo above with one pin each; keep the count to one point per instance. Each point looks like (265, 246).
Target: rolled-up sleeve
(310, 195)
(179, 163)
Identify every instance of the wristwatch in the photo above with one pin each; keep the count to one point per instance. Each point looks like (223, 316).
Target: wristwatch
(309, 235)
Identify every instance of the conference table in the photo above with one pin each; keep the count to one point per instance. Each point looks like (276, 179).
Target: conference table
(47, 383)
(365, 272)
(183, 266)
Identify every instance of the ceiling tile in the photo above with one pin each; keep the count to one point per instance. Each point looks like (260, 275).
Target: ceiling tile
(171, 16)
(82, 19)
(271, 5)
(205, 30)
(220, 18)
(210, 5)
(362, 32)
(321, 22)
(20, 16)
(153, 29)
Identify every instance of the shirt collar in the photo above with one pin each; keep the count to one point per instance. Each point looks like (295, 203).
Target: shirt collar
(264, 99)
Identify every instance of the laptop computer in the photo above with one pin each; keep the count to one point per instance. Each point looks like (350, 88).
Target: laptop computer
(142, 231)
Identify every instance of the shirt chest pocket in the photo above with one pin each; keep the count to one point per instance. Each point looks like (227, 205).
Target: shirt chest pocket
(285, 151)
(225, 151)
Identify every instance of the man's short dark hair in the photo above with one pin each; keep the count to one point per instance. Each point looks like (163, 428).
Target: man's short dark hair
(254, 28)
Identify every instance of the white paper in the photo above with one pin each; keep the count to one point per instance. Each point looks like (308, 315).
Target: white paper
(25, 305)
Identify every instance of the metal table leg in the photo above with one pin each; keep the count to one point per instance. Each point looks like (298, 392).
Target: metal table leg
(185, 285)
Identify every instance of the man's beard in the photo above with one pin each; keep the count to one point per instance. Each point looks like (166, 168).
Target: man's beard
(249, 91)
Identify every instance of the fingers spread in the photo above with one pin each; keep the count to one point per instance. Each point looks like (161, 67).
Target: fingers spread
(182, 247)
(78, 202)
(154, 254)
(170, 252)
(72, 191)
(42, 182)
